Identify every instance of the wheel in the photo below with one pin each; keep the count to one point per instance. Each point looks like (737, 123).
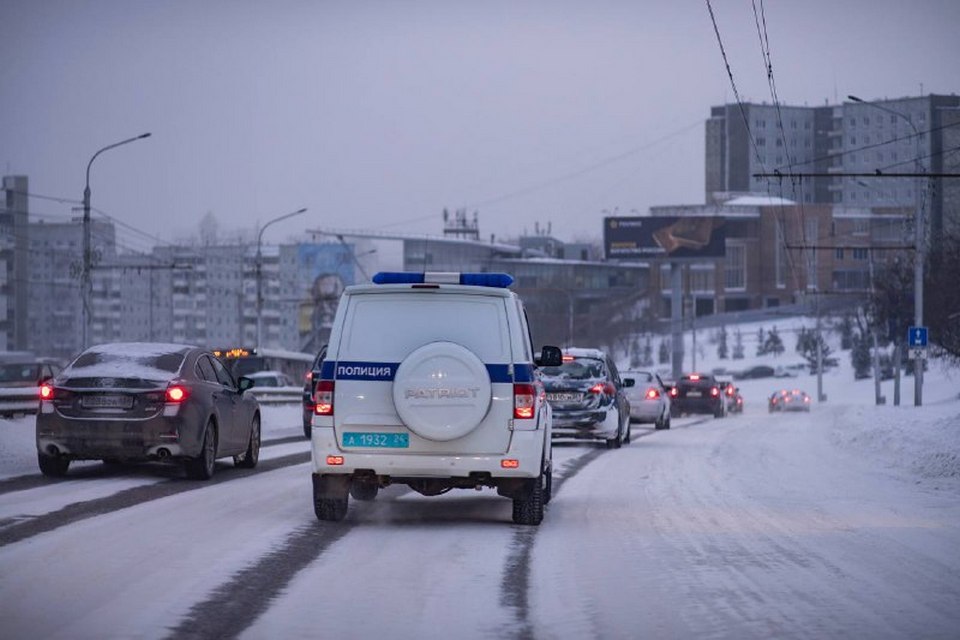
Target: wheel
(629, 436)
(249, 458)
(667, 423)
(365, 491)
(616, 441)
(529, 509)
(201, 467)
(53, 467)
(331, 495)
(663, 422)
(307, 430)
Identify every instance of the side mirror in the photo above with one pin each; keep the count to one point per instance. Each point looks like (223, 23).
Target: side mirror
(244, 383)
(549, 357)
(629, 382)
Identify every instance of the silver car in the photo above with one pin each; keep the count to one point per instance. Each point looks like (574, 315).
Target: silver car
(138, 402)
(649, 400)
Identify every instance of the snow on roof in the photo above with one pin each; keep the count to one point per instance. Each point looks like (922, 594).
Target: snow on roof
(758, 201)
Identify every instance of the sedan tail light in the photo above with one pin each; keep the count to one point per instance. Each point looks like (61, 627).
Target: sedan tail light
(323, 398)
(673, 392)
(714, 392)
(524, 399)
(604, 387)
(652, 394)
(46, 392)
(176, 393)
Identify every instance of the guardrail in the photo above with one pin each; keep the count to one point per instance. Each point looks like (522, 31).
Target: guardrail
(278, 395)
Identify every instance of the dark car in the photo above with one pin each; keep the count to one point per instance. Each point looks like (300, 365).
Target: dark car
(308, 389)
(759, 371)
(20, 380)
(697, 393)
(137, 402)
(789, 400)
(586, 395)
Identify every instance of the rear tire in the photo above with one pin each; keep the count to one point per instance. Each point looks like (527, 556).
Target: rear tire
(528, 510)
(202, 467)
(364, 491)
(627, 438)
(331, 495)
(53, 467)
(249, 459)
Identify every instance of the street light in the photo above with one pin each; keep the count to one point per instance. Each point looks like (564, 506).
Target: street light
(918, 246)
(260, 268)
(85, 282)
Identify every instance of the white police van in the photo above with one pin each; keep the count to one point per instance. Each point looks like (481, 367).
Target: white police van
(430, 381)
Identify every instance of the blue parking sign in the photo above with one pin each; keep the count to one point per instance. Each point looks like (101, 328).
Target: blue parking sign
(917, 336)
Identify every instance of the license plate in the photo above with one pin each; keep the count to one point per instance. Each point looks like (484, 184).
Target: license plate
(107, 402)
(693, 394)
(564, 397)
(367, 439)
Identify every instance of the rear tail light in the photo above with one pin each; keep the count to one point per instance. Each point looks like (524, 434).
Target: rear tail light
(694, 376)
(176, 393)
(604, 387)
(673, 392)
(652, 394)
(323, 398)
(46, 392)
(714, 392)
(524, 398)
(729, 391)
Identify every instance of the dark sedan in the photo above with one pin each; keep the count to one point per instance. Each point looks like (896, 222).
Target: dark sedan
(137, 402)
(697, 393)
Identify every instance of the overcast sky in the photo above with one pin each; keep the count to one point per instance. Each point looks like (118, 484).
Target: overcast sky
(377, 115)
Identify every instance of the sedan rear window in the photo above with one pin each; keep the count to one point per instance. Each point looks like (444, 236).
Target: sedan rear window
(576, 369)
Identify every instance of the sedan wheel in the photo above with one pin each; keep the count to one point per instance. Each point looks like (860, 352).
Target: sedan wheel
(201, 467)
(248, 460)
(51, 466)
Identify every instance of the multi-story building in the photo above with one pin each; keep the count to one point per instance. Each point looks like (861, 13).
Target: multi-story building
(777, 252)
(14, 264)
(905, 135)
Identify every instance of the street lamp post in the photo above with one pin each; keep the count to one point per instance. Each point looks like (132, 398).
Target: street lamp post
(918, 235)
(85, 281)
(260, 269)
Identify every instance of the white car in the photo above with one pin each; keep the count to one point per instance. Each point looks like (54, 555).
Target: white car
(649, 400)
(430, 380)
(270, 379)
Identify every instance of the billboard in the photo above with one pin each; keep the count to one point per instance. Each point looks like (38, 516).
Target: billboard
(670, 237)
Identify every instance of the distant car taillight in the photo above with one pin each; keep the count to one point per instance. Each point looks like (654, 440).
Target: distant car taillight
(673, 392)
(714, 392)
(652, 394)
(176, 393)
(729, 391)
(323, 398)
(524, 399)
(46, 392)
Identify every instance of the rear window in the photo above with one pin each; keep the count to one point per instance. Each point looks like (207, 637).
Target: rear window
(576, 369)
(388, 327)
(128, 361)
(19, 372)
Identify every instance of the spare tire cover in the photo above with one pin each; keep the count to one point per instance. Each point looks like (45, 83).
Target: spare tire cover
(442, 391)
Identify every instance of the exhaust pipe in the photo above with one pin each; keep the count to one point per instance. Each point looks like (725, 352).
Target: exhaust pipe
(53, 451)
(163, 453)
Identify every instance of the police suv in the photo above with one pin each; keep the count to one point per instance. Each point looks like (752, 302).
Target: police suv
(430, 381)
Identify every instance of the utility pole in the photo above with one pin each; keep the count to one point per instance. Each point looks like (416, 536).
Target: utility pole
(86, 283)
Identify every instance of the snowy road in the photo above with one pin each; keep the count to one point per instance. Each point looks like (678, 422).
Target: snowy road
(749, 526)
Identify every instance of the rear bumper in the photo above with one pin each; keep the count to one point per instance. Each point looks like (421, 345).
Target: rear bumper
(696, 405)
(155, 438)
(526, 447)
(586, 425)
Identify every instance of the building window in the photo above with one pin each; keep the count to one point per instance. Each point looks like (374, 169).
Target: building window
(861, 254)
(701, 278)
(735, 268)
(839, 254)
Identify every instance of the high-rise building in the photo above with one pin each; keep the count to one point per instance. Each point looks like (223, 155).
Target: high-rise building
(14, 264)
(904, 135)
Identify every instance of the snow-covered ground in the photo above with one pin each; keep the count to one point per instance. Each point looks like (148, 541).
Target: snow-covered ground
(844, 522)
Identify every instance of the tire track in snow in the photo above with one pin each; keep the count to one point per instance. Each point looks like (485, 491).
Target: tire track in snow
(77, 511)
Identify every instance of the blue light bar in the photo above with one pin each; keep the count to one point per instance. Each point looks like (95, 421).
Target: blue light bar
(397, 277)
(499, 280)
